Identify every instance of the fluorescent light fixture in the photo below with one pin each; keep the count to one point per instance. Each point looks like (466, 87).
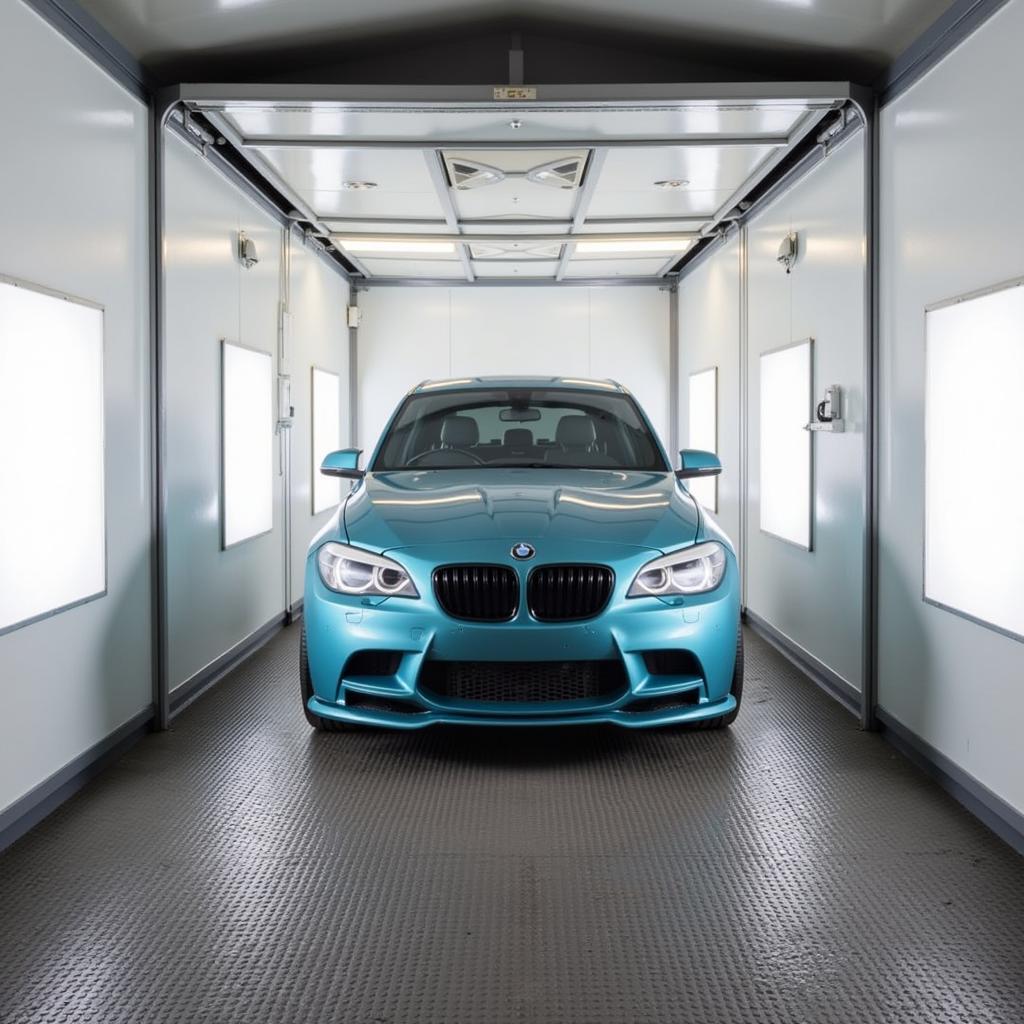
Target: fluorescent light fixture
(52, 518)
(248, 443)
(325, 435)
(974, 369)
(785, 465)
(703, 431)
(398, 245)
(627, 245)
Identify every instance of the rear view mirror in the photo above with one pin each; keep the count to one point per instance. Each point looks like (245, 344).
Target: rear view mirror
(695, 463)
(344, 463)
(522, 415)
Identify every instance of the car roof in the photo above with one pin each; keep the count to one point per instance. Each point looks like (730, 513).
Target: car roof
(502, 383)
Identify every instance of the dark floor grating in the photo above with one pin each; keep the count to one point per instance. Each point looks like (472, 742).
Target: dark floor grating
(241, 869)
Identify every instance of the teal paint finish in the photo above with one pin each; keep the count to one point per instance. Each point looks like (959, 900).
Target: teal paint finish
(426, 518)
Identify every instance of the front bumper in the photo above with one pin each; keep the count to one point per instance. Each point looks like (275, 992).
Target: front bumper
(415, 631)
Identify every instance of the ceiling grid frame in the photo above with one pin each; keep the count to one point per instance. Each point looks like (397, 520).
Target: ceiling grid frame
(802, 106)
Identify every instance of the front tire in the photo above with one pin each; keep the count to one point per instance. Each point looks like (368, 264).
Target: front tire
(736, 689)
(306, 688)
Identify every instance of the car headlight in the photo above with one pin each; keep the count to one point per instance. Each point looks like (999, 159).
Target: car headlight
(353, 571)
(692, 571)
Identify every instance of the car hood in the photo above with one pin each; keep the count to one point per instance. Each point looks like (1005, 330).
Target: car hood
(427, 507)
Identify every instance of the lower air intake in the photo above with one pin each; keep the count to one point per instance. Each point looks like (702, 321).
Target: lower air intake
(526, 682)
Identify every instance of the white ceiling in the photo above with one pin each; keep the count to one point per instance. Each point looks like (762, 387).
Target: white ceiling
(149, 27)
(406, 218)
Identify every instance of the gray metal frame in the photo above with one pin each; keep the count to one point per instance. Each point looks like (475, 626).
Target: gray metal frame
(809, 547)
(815, 100)
(956, 300)
(55, 293)
(224, 343)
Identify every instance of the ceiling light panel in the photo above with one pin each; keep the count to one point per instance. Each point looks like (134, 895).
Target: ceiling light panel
(414, 268)
(323, 176)
(632, 247)
(491, 123)
(609, 268)
(628, 179)
(396, 247)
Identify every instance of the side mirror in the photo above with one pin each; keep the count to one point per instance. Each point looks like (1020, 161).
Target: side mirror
(343, 463)
(696, 463)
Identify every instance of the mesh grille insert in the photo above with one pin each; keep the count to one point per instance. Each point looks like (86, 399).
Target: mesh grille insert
(558, 593)
(524, 681)
(480, 593)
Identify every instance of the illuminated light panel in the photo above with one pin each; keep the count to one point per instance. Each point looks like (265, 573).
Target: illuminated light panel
(974, 365)
(650, 245)
(52, 513)
(785, 465)
(325, 436)
(703, 431)
(248, 443)
(381, 245)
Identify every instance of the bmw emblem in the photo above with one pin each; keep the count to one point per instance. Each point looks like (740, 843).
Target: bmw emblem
(523, 552)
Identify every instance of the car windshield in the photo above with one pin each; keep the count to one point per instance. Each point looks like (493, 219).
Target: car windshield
(556, 428)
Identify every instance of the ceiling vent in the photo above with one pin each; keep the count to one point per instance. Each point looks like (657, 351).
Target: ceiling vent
(558, 173)
(517, 250)
(538, 167)
(466, 174)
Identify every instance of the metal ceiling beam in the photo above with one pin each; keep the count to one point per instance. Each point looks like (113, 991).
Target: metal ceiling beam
(803, 127)
(275, 179)
(583, 197)
(514, 282)
(556, 142)
(493, 222)
(456, 239)
(435, 167)
(217, 95)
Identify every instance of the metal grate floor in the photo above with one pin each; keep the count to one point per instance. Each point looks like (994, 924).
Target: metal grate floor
(242, 869)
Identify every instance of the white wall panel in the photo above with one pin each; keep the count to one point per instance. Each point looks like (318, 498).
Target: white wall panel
(318, 337)
(814, 597)
(952, 223)
(409, 334)
(74, 211)
(404, 337)
(709, 335)
(215, 598)
(629, 342)
(495, 331)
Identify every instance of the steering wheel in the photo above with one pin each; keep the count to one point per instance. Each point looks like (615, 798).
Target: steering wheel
(472, 456)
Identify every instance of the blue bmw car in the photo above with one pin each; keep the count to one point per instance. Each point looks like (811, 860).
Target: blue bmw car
(520, 552)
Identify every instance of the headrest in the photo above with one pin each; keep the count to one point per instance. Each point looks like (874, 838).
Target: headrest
(518, 437)
(459, 431)
(576, 432)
